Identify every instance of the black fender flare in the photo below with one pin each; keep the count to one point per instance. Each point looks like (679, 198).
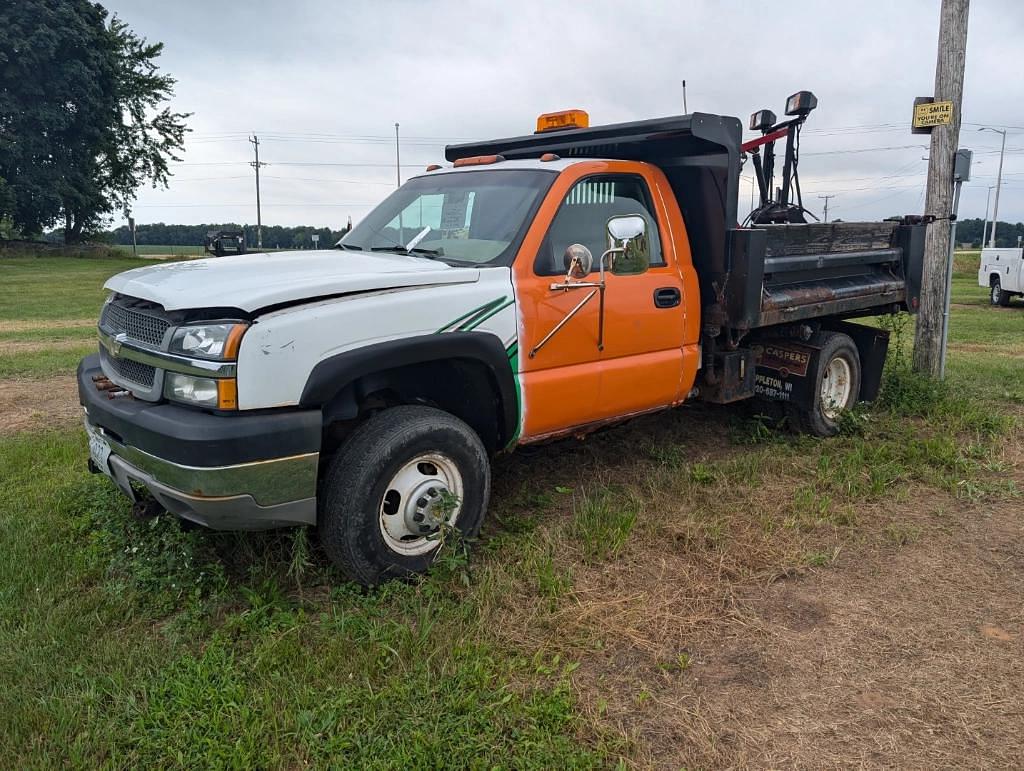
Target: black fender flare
(330, 376)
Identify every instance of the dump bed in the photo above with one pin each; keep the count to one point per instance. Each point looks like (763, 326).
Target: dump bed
(750, 277)
(783, 273)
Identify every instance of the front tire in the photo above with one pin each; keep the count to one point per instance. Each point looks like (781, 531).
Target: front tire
(997, 295)
(835, 382)
(401, 477)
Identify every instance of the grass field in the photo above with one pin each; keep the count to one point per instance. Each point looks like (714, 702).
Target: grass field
(694, 589)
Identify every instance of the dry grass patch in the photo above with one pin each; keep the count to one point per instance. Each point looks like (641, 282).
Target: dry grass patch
(28, 325)
(686, 579)
(29, 404)
(12, 347)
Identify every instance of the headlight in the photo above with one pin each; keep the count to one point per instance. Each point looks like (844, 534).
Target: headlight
(209, 341)
(220, 393)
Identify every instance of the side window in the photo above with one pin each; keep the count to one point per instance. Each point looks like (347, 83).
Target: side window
(582, 217)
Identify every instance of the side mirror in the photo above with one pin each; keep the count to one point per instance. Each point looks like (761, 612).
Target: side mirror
(626, 228)
(578, 260)
(627, 234)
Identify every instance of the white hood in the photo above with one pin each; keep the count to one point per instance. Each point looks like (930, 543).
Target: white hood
(254, 281)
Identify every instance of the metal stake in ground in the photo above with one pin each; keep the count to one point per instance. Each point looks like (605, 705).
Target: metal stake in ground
(949, 86)
(961, 174)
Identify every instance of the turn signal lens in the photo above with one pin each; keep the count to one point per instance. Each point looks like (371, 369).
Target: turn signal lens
(566, 119)
(227, 394)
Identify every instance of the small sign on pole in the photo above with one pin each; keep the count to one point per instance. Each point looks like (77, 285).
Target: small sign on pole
(316, 240)
(928, 114)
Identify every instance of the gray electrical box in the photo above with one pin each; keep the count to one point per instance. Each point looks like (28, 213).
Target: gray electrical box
(962, 165)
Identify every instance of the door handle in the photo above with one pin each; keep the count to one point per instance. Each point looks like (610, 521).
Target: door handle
(667, 297)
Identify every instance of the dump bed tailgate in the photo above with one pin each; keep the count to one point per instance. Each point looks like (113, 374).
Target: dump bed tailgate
(781, 273)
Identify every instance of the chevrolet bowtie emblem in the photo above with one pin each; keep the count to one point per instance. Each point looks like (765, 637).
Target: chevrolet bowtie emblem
(117, 342)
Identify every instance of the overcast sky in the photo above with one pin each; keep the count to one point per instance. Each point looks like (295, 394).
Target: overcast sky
(323, 83)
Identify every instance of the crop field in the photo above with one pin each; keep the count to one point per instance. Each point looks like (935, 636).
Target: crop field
(700, 588)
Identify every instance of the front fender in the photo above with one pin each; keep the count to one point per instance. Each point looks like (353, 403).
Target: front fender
(332, 375)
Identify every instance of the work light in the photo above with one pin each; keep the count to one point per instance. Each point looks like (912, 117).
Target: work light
(801, 103)
(762, 120)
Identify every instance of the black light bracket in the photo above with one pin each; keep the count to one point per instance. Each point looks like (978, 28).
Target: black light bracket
(780, 208)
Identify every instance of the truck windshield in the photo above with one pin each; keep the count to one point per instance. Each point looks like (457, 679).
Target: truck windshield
(475, 217)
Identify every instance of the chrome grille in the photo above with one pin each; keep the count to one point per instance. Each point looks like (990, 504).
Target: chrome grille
(143, 327)
(133, 371)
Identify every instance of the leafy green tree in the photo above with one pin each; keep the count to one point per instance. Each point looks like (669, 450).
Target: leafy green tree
(83, 116)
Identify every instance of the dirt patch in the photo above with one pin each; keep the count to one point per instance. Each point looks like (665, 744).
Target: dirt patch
(1013, 351)
(26, 325)
(713, 642)
(30, 404)
(897, 655)
(12, 347)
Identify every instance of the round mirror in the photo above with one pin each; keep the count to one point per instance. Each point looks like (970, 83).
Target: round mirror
(579, 262)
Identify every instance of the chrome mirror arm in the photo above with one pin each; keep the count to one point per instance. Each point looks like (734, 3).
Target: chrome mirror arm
(596, 287)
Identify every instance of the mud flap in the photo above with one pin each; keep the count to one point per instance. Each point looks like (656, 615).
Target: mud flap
(782, 368)
(783, 365)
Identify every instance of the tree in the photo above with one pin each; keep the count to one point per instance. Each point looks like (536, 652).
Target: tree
(83, 119)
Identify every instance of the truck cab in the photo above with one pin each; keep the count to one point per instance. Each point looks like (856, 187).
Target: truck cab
(535, 287)
(1002, 272)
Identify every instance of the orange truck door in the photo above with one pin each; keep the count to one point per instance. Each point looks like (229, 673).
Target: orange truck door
(645, 363)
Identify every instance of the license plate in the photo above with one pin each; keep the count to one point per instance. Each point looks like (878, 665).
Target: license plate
(99, 450)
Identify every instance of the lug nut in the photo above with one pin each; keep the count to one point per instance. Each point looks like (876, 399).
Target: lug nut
(421, 502)
(417, 517)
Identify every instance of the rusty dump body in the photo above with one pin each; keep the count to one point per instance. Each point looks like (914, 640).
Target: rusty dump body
(757, 277)
(837, 269)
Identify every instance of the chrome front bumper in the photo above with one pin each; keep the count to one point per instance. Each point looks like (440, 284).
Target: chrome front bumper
(247, 496)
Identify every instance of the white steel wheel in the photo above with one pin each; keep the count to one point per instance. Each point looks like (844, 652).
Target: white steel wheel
(997, 292)
(424, 494)
(836, 385)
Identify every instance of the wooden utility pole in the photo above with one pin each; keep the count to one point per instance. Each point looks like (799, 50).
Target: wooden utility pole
(255, 141)
(949, 86)
(827, 197)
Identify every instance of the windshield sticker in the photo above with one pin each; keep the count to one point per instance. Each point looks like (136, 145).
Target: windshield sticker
(453, 213)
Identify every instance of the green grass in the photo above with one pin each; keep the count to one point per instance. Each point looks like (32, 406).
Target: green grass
(47, 362)
(56, 288)
(127, 645)
(132, 643)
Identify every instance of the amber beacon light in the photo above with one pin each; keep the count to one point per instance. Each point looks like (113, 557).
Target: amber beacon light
(566, 119)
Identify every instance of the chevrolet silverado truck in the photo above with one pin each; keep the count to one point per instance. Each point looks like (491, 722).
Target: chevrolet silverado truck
(536, 287)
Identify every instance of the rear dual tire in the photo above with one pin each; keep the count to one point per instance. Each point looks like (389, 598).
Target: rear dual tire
(835, 382)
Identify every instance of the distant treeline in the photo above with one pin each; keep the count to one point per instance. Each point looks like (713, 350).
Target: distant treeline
(969, 232)
(274, 236)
